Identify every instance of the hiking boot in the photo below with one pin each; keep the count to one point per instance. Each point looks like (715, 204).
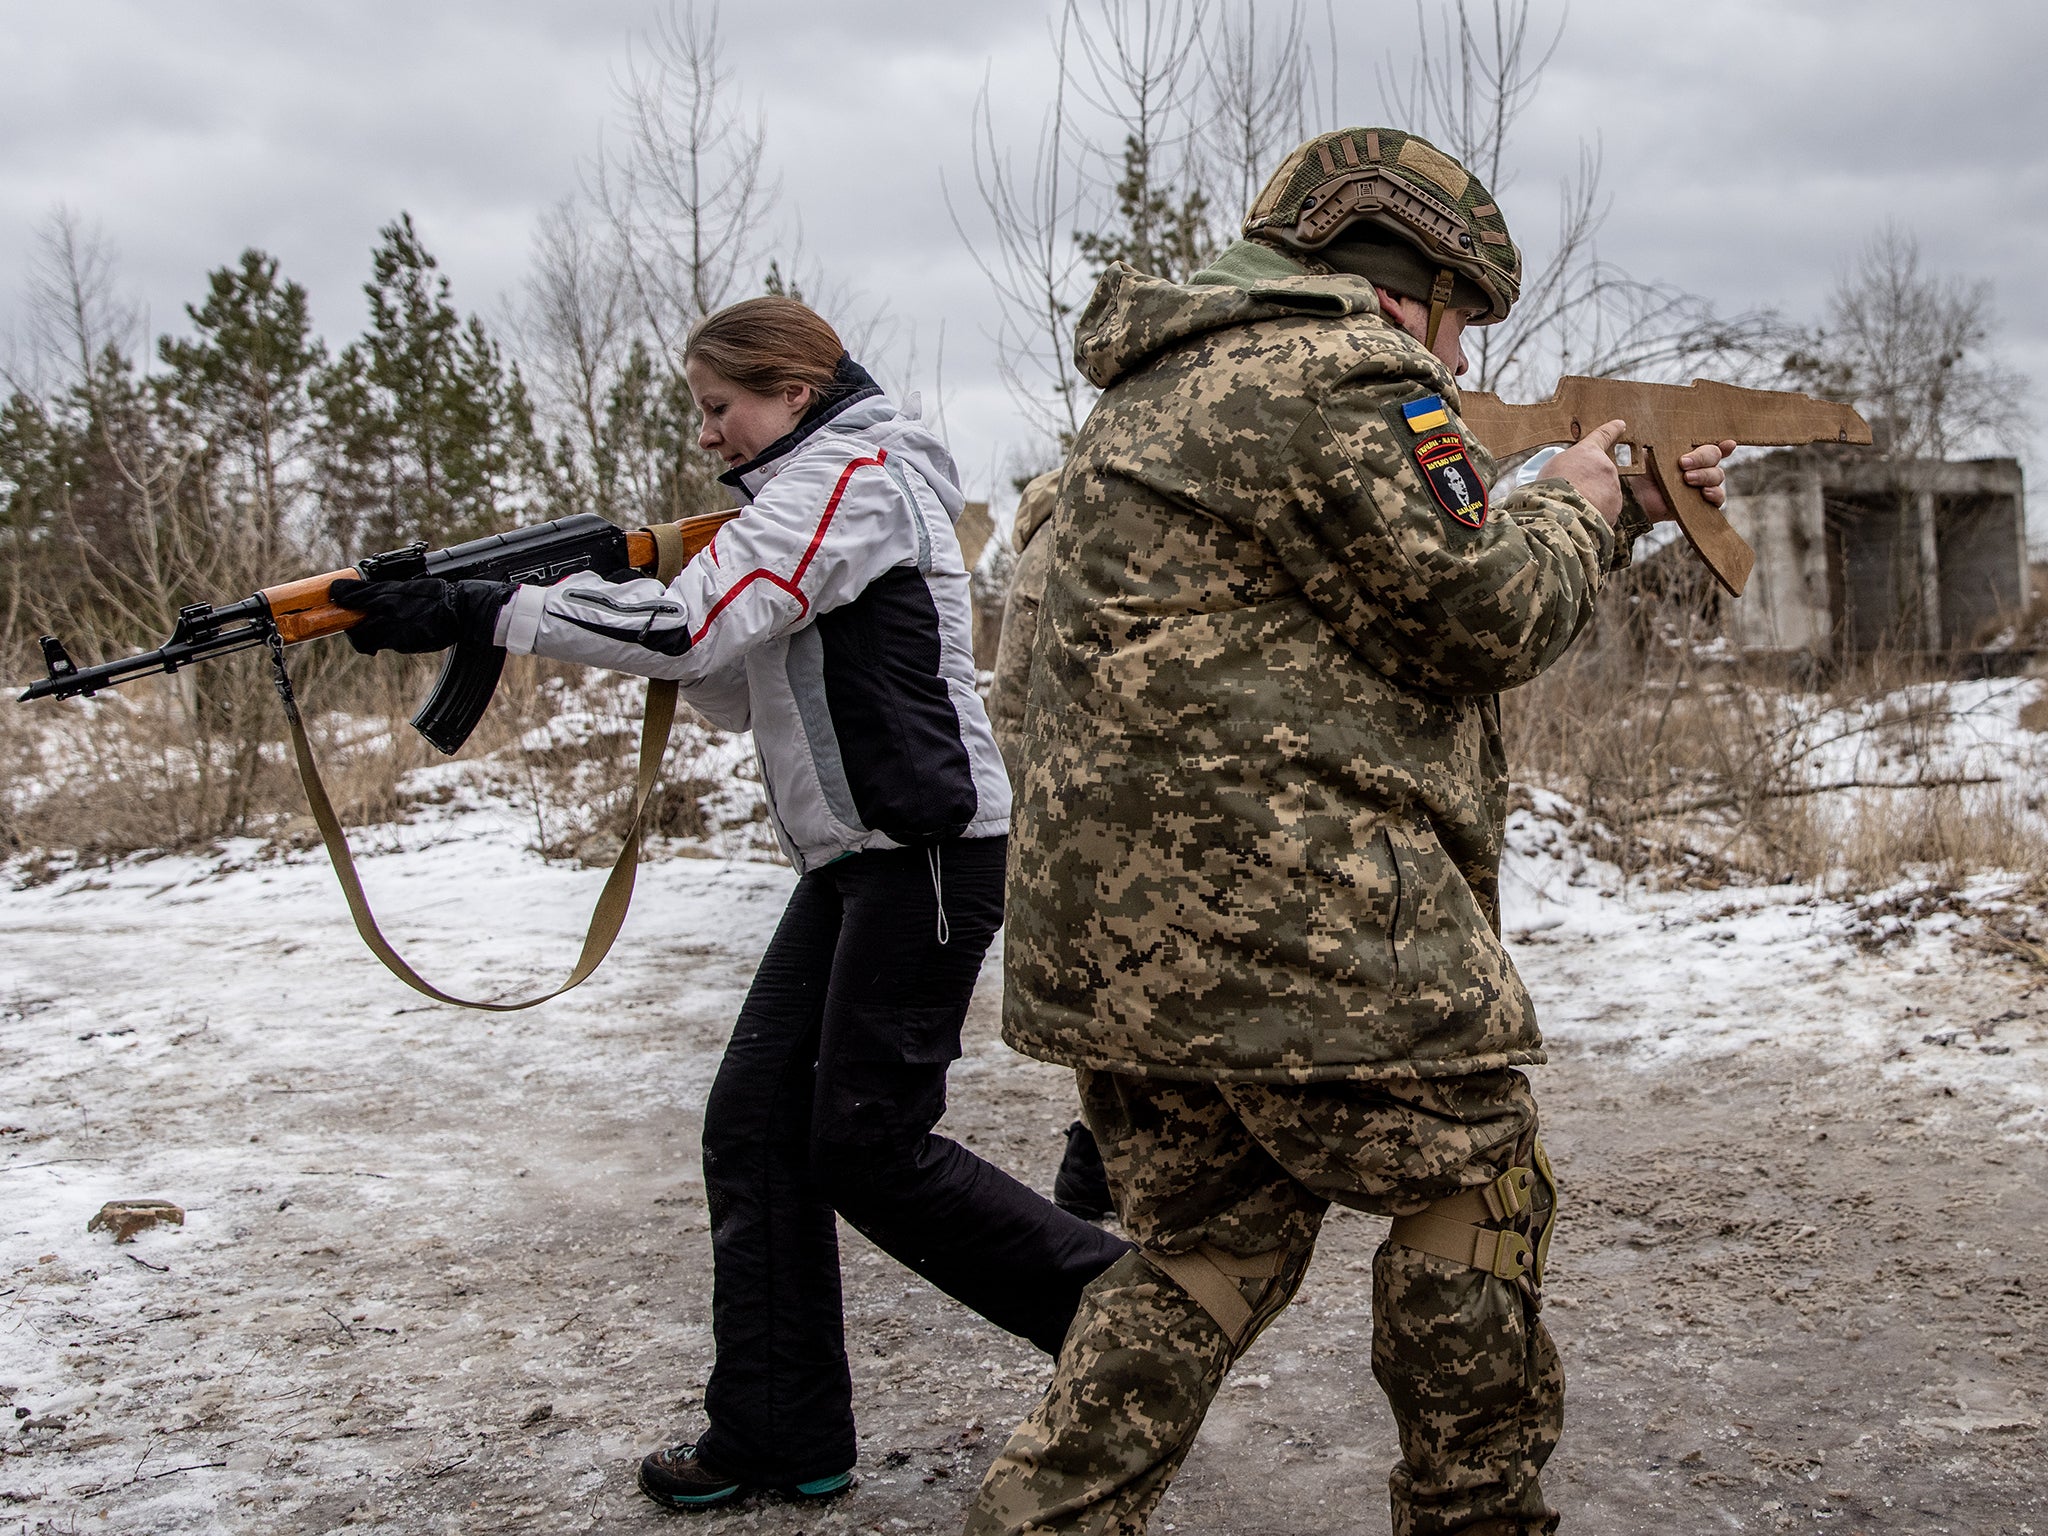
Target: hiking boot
(676, 1478)
(1081, 1187)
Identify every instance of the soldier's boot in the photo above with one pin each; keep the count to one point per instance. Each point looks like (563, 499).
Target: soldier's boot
(1468, 1367)
(1157, 1329)
(1081, 1187)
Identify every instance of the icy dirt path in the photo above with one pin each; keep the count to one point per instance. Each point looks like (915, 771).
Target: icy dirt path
(444, 1271)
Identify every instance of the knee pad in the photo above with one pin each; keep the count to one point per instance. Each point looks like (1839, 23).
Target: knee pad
(1503, 1227)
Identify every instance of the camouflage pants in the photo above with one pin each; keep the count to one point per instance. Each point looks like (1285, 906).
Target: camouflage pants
(1247, 1171)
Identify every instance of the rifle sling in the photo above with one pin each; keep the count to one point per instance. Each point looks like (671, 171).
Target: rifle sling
(612, 902)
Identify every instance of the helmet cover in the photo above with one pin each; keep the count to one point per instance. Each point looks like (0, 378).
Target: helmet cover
(1375, 182)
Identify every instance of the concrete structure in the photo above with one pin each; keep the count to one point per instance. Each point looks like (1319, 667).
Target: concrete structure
(1855, 553)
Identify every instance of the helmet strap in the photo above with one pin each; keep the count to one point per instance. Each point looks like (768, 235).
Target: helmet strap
(1439, 300)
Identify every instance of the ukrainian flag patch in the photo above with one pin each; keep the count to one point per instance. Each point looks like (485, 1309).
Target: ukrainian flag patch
(1426, 414)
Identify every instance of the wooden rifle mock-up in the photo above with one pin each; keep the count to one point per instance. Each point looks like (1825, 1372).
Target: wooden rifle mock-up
(1665, 421)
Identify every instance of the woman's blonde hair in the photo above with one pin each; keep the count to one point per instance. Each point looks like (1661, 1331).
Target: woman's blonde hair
(764, 345)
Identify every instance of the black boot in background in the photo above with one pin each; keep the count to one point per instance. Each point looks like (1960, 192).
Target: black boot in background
(1081, 1187)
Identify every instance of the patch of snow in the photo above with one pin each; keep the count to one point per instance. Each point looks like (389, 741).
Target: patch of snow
(1659, 978)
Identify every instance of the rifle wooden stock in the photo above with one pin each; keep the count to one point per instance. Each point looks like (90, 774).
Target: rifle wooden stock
(696, 533)
(1664, 422)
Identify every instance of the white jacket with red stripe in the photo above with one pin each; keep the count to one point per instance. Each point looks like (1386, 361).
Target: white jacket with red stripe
(832, 618)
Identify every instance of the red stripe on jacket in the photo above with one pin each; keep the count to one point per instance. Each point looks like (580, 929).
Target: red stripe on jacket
(791, 583)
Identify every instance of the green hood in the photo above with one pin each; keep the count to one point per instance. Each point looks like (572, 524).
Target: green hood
(1133, 318)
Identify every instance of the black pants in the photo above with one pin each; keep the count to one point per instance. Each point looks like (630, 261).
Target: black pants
(825, 1102)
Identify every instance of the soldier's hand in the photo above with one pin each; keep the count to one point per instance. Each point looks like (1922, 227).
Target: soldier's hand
(1589, 465)
(1702, 468)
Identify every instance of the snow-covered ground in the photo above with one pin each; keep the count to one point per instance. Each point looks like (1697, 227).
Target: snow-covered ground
(160, 1021)
(1659, 979)
(210, 1031)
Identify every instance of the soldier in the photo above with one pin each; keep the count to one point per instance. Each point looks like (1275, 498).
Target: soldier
(1255, 864)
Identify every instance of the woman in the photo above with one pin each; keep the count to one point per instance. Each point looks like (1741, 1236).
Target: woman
(832, 618)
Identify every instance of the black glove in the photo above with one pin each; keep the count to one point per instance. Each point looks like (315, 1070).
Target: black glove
(422, 615)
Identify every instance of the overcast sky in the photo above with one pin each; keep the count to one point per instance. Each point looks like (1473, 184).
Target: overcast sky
(1749, 148)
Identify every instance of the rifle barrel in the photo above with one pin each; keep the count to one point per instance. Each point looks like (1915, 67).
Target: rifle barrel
(241, 634)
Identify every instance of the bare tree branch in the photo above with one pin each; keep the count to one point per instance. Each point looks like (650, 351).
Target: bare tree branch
(75, 310)
(1260, 93)
(1030, 260)
(1480, 69)
(1165, 117)
(1914, 351)
(578, 322)
(686, 196)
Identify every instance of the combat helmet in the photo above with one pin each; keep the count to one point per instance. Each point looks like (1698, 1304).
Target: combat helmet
(1380, 196)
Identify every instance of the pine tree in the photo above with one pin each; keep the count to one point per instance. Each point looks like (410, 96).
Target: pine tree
(41, 456)
(649, 468)
(429, 432)
(122, 497)
(243, 387)
(1161, 230)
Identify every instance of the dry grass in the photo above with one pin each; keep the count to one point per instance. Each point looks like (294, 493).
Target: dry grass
(1686, 763)
(181, 763)
(564, 749)
(1690, 764)
(159, 767)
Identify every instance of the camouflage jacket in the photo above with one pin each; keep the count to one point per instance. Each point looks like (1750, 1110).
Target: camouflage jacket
(1008, 687)
(1262, 795)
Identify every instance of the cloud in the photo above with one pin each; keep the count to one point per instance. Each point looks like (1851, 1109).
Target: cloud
(1748, 148)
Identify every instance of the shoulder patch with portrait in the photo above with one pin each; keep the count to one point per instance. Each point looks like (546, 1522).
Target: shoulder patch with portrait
(1442, 459)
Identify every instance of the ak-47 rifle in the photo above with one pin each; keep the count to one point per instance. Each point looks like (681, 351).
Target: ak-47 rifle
(1665, 421)
(300, 610)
